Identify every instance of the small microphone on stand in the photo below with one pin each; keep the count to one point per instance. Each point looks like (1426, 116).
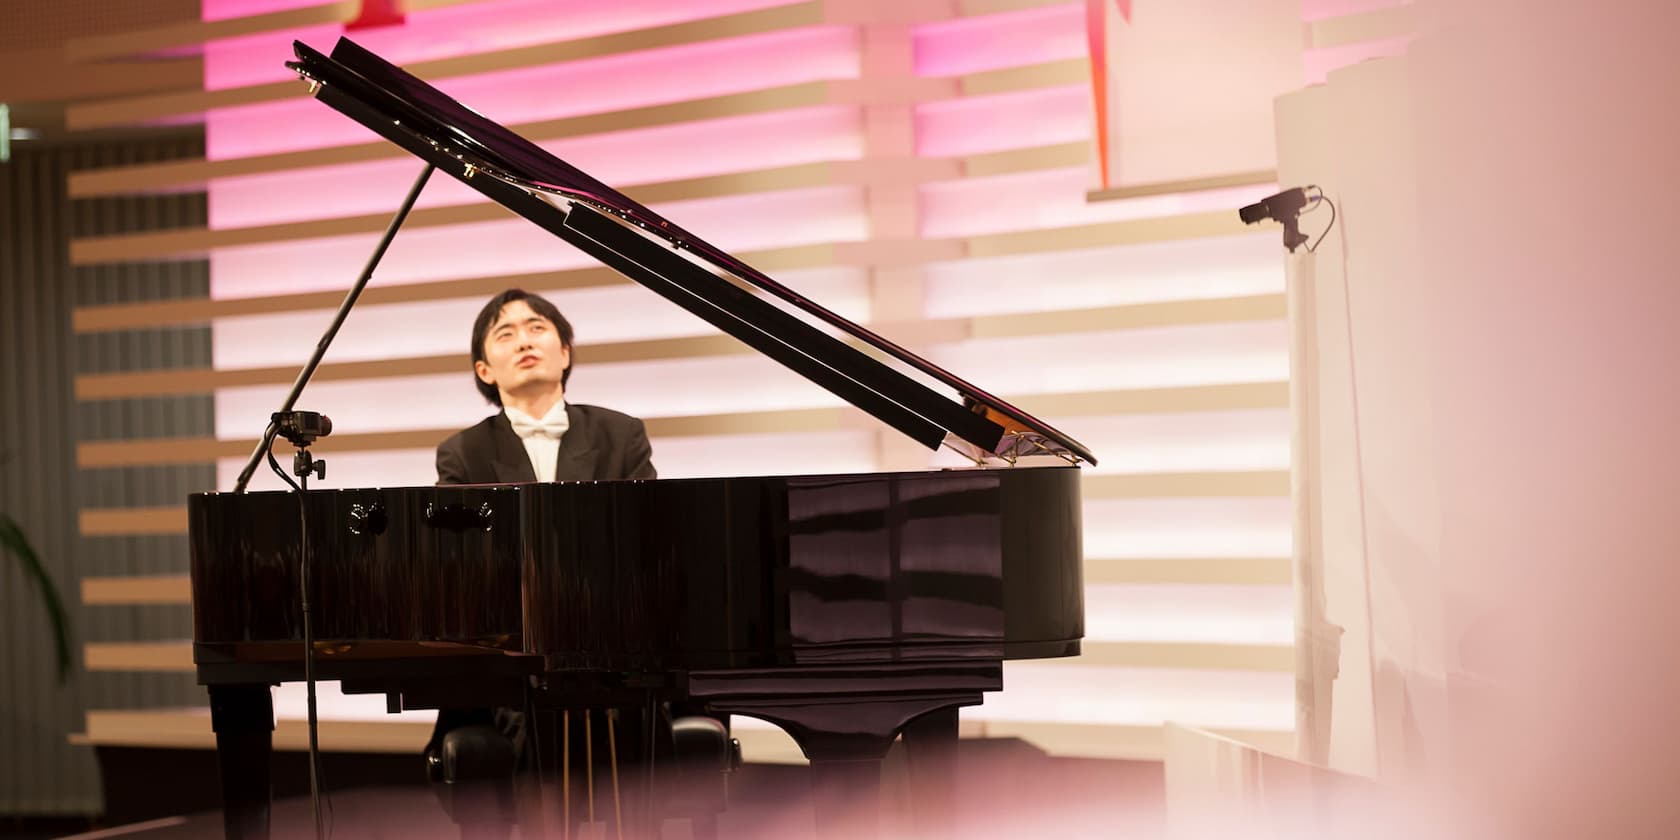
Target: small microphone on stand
(1285, 207)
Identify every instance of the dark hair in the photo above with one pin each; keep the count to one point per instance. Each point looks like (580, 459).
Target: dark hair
(487, 318)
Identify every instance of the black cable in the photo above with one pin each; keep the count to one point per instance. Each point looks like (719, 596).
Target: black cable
(1313, 248)
(308, 643)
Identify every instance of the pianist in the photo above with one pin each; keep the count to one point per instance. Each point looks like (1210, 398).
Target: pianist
(522, 359)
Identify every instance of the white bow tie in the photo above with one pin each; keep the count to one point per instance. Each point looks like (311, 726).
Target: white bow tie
(526, 427)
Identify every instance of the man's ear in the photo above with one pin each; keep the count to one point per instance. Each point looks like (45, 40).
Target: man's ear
(483, 371)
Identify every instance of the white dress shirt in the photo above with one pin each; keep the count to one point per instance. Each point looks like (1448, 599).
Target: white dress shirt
(541, 437)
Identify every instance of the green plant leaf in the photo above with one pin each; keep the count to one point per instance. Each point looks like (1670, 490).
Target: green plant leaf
(13, 540)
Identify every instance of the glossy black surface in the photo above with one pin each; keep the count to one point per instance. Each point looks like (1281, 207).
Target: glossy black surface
(660, 575)
(507, 168)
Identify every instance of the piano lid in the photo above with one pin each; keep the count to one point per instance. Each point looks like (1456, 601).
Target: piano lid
(673, 262)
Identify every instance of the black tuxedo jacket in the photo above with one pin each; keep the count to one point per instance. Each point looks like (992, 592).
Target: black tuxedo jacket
(599, 445)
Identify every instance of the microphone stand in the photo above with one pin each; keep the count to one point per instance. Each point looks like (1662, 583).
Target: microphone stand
(304, 464)
(350, 297)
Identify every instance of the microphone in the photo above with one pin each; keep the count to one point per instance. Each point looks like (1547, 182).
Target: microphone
(1283, 207)
(301, 428)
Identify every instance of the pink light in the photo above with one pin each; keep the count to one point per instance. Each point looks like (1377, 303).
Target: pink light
(979, 124)
(1052, 198)
(736, 224)
(625, 158)
(991, 42)
(611, 83)
(465, 29)
(1312, 10)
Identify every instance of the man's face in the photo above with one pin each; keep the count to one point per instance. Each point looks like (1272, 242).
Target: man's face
(522, 351)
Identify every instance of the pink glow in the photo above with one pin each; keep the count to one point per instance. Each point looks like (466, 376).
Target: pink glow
(611, 83)
(624, 159)
(991, 42)
(1053, 198)
(1317, 65)
(978, 124)
(1122, 274)
(464, 29)
(736, 224)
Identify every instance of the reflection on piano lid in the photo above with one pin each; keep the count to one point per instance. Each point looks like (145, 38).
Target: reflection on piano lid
(673, 262)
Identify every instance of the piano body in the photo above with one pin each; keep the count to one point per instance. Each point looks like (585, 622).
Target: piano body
(846, 609)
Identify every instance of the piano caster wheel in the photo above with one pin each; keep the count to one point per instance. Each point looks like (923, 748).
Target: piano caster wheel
(473, 768)
(703, 755)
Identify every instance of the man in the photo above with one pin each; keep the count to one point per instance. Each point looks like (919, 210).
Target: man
(522, 360)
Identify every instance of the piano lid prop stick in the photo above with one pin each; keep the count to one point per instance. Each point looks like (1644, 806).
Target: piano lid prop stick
(612, 756)
(566, 774)
(589, 763)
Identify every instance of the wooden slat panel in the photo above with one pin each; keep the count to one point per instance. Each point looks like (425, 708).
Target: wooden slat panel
(190, 729)
(138, 656)
(1189, 570)
(173, 313)
(145, 589)
(177, 656)
(1133, 316)
(132, 522)
(1130, 232)
(1212, 182)
(1187, 485)
(129, 453)
(1071, 71)
(145, 109)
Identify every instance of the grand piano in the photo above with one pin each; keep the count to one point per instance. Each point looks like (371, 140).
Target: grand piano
(845, 609)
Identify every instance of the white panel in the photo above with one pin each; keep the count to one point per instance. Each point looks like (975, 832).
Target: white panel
(1195, 442)
(426, 328)
(1228, 614)
(1235, 527)
(1048, 690)
(331, 703)
(1157, 271)
(1054, 198)
(735, 224)
(1144, 358)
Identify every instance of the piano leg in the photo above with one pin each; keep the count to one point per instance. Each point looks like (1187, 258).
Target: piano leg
(846, 797)
(845, 718)
(242, 716)
(930, 742)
